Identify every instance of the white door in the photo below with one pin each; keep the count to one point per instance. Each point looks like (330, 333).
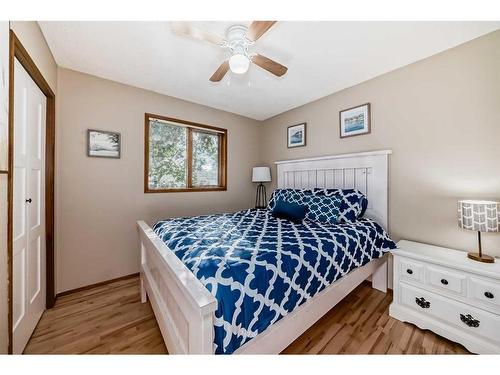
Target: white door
(28, 207)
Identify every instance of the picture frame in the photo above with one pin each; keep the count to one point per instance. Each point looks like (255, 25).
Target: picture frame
(355, 121)
(103, 144)
(296, 135)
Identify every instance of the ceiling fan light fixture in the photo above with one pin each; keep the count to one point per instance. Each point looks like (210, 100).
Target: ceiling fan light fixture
(237, 42)
(239, 63)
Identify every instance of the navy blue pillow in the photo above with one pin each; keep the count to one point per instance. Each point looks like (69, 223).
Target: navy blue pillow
(288, 210)
(353, 203)
(299, 196)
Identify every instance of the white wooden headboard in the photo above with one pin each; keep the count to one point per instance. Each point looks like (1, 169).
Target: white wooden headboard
(365, 171)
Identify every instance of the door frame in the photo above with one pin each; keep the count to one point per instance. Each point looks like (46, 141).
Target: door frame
(16, 50)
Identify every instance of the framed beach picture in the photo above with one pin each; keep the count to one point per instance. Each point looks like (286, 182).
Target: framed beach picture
(103, 144)
(355, 121)
(296, 135)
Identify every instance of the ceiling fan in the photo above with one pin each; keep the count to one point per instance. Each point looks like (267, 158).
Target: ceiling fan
(238, 40)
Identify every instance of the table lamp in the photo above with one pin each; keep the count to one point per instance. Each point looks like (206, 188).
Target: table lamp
(481, 216)
(260, 175)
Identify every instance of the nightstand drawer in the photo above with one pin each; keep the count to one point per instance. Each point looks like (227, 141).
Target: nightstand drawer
(448, 293)
(461, 315)
(411, 270)
(485, 292)
(447, 280)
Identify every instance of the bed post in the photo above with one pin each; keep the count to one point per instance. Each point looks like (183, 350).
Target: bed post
(184, 308)
(201, 335)
(379, 277)
(144, 295)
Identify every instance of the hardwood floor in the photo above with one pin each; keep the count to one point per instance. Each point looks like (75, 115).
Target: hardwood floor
(111, 319)
(105, 319)
(360, 324)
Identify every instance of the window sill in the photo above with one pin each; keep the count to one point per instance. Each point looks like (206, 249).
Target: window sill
(185, 190)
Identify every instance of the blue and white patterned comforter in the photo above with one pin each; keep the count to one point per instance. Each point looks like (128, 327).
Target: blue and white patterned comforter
(260, 268)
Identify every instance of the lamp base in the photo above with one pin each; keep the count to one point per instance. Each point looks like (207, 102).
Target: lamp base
(481, 257)
(260, 198)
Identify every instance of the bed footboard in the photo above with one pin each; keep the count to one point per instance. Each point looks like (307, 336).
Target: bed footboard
(183, 307)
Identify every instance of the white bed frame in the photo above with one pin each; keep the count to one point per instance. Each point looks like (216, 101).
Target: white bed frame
(184, 308)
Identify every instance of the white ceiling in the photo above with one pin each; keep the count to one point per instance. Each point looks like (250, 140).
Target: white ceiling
(322, 58)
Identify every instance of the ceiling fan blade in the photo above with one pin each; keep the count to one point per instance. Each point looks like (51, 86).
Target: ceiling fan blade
(270, 65)
(185, 29)
(258, 28)
(220, 72)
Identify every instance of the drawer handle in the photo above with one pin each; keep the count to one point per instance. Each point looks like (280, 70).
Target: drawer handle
(444, 281)
(409, 271)
(469, 320)
(422, 302)
(489, 295)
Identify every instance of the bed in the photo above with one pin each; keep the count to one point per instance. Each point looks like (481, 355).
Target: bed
(247, 282)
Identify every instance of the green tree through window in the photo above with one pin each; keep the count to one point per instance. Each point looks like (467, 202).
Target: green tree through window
(205, 159)
(184, 156)
(167, 156)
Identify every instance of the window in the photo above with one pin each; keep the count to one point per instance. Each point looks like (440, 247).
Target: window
(183, 156)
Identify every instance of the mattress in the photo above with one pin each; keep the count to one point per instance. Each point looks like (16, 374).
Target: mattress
(260, 268)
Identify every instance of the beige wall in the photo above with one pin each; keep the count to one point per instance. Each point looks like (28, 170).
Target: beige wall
(99, 200)
(32, 39)
(441, 118)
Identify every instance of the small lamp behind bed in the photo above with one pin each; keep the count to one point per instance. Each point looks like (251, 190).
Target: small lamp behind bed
(260, 175)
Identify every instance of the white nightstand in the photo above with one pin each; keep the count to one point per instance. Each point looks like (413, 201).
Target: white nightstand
(442, 290)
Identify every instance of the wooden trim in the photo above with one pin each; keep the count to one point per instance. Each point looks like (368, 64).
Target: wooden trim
(4, 172)
(101, 283)
(187, 190)
(369, 121)
(185, 122)
(12, 48)
(223, 160)
(16, 50)
(222, 133)
(50, 150)
(189, 154)
(146, 152)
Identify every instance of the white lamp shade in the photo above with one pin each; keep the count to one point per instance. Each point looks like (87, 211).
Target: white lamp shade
(239, 63)
(261, 174)
(481, 216)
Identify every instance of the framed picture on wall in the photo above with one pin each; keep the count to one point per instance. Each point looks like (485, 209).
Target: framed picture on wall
(355, 121)
(296, 135)
(103, 144)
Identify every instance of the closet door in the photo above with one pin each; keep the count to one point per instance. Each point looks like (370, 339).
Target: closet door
(28, 207)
